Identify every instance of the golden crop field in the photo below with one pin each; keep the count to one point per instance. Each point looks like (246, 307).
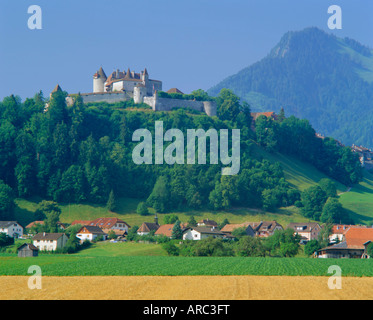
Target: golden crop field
(185, 288)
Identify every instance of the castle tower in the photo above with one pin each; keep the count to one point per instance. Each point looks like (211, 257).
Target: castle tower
(139, 92)
(145, 76)
(99, 79)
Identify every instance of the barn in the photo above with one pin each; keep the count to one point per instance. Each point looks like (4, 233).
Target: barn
(28, 250)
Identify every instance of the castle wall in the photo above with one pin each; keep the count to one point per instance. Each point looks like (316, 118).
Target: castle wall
(166, 104)
(111, 97)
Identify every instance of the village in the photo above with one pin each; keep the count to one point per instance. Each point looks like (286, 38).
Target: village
(345, 241)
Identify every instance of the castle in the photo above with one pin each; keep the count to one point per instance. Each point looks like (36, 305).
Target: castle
(123, 86)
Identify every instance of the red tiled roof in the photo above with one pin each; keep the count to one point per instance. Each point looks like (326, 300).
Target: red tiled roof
(356, 237)
(106, 223)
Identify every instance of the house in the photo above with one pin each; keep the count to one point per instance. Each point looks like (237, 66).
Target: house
(117, 225)
(307, 231)
(267, 228)
(11, 228)
(148, 227)
(354, 246)
(60, 225)
(207, 223)
(49, 241)
(90, 233)
(27, 250)
(166, 229)
(200, 233)
(248, 226)
(339, 230)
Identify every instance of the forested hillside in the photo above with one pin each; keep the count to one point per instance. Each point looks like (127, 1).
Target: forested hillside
(83, 154)
(315, 76)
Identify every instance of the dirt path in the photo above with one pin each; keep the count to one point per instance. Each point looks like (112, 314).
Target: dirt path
(185, 288)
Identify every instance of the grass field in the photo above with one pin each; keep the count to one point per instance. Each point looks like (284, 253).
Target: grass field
(91, 264)
(359, 201)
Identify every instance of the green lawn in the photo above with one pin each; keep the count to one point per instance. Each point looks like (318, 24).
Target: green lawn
(122, 249)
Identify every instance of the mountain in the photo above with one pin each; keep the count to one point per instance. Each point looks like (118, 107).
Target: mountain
(316, 76)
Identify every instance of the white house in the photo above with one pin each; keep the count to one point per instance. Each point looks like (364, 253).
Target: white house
(12, 228)
(90, 233)
(200, 233)
(49, 241)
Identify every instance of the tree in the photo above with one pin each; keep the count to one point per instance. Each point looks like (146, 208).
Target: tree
(177, 233)
(159, 199)
(250, 247)
(192, 222)
(329, 187)
(171, 249)
(311, 247)
(225, 222)
(228, 105)
(313, 200)
(51, 212)
(142, 209)
(332, 211)
(110, 205)
(7, 204)
(370, 250)
(170, 219)
(324, 234)
(111, 234)
(283, 243)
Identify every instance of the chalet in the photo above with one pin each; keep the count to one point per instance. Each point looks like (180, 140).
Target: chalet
(267, 228)
(354, 245)
(200, 233)
(27, 250)
(90, 233)
(11, 228)
(307, 231)
(49, 241)
(248, 226)
(207, 223)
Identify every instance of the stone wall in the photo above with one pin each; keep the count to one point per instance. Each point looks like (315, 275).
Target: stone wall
(166, 104)
(109, 97)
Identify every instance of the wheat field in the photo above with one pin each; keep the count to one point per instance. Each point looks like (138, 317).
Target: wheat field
(185, 288)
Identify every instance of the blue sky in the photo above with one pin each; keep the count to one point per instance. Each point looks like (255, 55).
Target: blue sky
(188, 44)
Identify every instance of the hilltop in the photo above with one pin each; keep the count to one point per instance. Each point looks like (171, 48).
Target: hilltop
(315, 76)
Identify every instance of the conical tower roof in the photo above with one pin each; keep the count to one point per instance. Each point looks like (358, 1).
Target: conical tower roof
(101, 73)
(57, 88)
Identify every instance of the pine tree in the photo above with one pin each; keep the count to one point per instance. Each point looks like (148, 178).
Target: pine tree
(110, 205)
(177, 233)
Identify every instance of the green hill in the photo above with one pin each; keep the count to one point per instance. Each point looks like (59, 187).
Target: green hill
(358, 201)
